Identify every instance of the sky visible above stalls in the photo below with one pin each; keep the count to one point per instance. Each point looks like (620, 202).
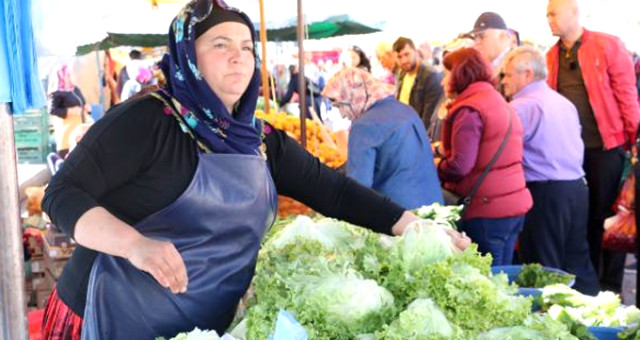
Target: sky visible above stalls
(65, 24)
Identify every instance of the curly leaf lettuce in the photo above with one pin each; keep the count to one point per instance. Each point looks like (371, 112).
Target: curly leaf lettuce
(342, 306)
(422, 320)
(536, 327)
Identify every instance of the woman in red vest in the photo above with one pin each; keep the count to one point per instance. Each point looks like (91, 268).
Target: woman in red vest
(476, 124)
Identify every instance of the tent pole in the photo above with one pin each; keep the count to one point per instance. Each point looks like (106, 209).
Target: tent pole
(13, 316)
(263, 42)
(301, 79)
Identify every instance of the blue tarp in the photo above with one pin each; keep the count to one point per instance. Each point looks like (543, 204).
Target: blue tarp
(18, 63)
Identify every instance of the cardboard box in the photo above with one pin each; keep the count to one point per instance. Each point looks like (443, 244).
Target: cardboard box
(41, 298)
(58, 248)
(37, 265)
(54, 266)
(38, 282)
(49, 279)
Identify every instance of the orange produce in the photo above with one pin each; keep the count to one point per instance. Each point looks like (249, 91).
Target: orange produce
(320, 143)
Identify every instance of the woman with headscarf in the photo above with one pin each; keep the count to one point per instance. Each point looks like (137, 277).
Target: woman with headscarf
(480, 125)
(389, 150)
(169, 195)
(134, 85)
(69, 108)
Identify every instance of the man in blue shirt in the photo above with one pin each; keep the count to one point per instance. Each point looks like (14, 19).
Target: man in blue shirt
(555, 230)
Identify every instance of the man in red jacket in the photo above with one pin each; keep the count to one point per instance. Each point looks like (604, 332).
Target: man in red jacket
(595, 72)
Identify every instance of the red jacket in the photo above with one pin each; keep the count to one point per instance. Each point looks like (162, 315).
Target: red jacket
(607, 70)
(503, 193)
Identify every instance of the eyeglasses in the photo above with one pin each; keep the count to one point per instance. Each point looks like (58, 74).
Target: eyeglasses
(338, 103)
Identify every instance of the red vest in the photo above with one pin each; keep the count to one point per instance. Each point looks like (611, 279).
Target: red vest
(503, 193)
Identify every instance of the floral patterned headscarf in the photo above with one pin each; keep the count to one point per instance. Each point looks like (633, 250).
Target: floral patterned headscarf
(354, 90)
(64, 79)
(199, 106)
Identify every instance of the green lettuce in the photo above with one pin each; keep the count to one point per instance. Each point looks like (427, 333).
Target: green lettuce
(422, 243)
(341, 306)
(605, 309)
(196, 334)
(422, 320)
(445, 215)
(536, 327)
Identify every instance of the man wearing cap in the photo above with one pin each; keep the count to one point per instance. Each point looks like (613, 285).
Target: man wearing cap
(595, 72)
(418, 85)
(555, 229)
(491, 38)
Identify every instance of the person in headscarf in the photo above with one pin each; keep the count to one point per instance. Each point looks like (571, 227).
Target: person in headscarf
(68, 107)
(169, 195)
(141, 81)
(389, 150)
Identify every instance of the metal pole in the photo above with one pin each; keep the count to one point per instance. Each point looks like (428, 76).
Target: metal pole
(12, 300)
(263, 42)
(301, 80)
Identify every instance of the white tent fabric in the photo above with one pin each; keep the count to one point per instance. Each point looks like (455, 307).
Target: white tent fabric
(69, 23)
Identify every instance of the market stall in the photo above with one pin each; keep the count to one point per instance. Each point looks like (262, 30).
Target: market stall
(320, 278)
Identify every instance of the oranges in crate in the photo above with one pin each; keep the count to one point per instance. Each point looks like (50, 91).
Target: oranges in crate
(320, 143)
(288, 206)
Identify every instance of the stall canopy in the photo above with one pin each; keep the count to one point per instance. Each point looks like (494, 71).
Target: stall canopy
(331, 27)
(121, 39)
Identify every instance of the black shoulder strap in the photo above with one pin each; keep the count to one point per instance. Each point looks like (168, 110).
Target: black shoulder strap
(476, 185)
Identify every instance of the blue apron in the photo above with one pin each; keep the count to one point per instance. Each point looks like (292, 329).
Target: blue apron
(217, 225)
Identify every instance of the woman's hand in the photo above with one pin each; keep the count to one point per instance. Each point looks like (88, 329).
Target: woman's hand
(162, 260)
(460, 240)
(99, 230)
(406, 218)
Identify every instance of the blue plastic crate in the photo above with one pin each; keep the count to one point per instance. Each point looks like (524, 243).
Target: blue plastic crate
(512, 274)
(605, 333)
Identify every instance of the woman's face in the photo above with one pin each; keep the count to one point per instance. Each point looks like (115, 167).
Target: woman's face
(225, 58)
(355, 59)
(446, 84)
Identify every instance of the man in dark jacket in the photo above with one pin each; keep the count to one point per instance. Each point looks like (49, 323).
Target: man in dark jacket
(418, 85)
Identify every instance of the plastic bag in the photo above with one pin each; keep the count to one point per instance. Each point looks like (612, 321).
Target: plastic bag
(620, 230)
(287, 328)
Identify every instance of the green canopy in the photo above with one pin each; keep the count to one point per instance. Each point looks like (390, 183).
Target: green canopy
(118, 39)
(331, 27)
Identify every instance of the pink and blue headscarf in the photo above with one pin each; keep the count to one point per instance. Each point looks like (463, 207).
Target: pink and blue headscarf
(201, 109)
(64, 79)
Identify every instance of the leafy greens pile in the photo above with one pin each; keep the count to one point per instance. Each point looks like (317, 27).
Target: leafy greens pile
(569, 306)
(344, 282)
(198, 334)
(533, 275)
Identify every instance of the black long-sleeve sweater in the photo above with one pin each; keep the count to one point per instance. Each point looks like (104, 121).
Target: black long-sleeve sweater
(137, 160)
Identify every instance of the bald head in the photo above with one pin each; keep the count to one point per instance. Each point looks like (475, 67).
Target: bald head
(563, 17)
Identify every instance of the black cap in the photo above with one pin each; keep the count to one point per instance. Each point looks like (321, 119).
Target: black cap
(217, 16)
(485, 21)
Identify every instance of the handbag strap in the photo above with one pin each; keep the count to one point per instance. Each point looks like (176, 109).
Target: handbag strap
(467, 199)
